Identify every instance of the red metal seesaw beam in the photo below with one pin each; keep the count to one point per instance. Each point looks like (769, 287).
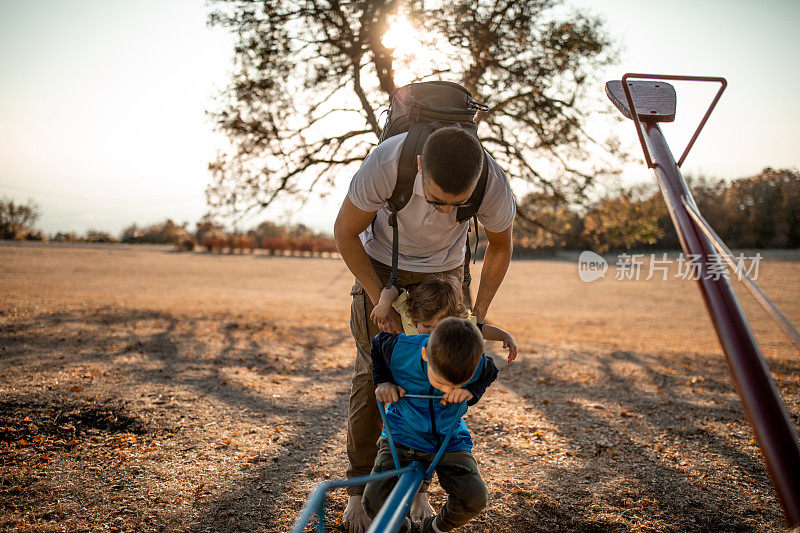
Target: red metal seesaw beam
(773, 429)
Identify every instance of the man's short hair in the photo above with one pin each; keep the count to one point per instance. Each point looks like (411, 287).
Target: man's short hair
(454, 349)
(453, 158)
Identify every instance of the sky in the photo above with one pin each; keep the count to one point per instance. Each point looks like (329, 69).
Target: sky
(103, 103)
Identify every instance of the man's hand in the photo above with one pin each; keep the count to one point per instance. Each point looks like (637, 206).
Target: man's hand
(384, 315)
(456, 396)
(392, 324)
(389, 392)
(381, 309)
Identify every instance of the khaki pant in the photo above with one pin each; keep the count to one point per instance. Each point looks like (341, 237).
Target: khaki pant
(364, 421)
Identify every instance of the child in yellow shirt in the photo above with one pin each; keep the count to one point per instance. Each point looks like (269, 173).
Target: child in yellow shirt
(430, 302)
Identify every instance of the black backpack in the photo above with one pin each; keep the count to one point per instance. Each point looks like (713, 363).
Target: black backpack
(420, 109)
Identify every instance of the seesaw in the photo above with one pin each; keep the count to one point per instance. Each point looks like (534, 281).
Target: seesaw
(647, 103)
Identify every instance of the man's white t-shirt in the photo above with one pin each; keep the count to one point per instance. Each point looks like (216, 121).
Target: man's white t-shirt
(429, 240)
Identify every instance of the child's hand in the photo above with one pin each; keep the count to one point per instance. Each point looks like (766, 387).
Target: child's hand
(511, 346)
(389, 392)
(493, 333)
(456, 396)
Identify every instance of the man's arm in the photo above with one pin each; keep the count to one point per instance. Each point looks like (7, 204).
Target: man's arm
(350, 222)
(495, 265)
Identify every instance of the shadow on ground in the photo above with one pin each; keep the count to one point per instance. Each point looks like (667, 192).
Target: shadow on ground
(621, 440)
(140, 420)
(181, 381)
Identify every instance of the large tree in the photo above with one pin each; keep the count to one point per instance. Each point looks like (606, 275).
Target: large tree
(311, 77)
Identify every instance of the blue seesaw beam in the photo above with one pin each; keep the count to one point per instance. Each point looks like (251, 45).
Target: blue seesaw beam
(315, 506)
(395, 508)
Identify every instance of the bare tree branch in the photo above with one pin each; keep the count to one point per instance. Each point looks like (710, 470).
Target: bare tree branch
(309, 76)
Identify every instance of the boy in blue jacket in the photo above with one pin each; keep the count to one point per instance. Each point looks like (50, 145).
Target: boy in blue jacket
(449, 360)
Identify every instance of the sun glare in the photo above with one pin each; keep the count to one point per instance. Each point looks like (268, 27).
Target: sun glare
(401, 37)
(416, 55)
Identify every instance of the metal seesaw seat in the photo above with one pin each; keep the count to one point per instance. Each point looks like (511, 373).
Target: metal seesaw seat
(655, 101)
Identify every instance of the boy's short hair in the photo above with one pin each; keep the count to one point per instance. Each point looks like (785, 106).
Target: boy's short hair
(435, 295)
(453, 158)
(454, 349)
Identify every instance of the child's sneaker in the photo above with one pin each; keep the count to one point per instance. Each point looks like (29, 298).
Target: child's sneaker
(407, 526)
(427, 525)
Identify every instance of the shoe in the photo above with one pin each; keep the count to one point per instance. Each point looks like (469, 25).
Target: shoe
(427, 525)
(407, 526)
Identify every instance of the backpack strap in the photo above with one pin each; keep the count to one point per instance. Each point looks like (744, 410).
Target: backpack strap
(477, 238)
(395, 274)
(471, 211)
(469, 254)
(467, 275)
(465, 213)
(403, 188)
(407, 165)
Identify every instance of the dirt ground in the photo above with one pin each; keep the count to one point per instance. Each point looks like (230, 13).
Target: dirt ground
(147, 390)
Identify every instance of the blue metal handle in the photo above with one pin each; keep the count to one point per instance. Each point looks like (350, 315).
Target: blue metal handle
(316, 503)
(462, 409)
(395, 508)
(392, 447)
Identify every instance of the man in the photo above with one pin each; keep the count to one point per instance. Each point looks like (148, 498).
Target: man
(431, 240)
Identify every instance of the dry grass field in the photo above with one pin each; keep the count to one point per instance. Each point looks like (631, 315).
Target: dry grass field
(143, 389)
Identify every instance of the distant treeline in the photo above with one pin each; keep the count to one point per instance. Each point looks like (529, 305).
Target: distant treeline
(17, 223)
(275, 238)
(213, 237)
(758, 212)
